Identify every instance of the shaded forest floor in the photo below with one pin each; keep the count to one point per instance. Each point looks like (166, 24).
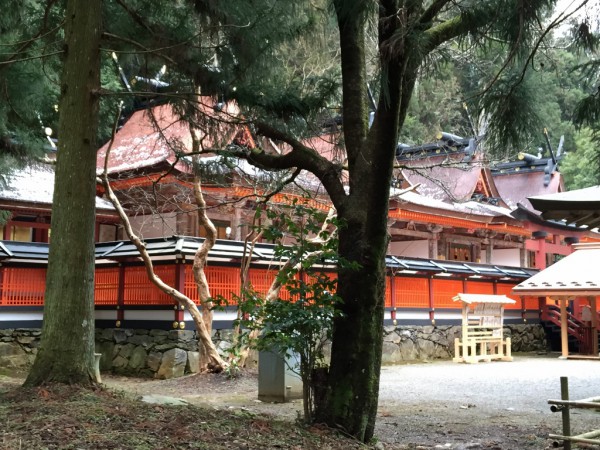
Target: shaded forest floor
(69, 417)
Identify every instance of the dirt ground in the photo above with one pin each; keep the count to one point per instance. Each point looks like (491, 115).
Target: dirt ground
(498, 405)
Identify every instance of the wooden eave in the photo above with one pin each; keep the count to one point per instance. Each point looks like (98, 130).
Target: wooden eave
(490, 185)
(574, 275)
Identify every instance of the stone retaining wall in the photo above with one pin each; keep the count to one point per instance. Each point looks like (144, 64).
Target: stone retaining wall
(17, 349)
(408, 343)
(153, 353)
(168, 354)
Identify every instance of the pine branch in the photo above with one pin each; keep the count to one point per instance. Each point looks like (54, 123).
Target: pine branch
(433, 10)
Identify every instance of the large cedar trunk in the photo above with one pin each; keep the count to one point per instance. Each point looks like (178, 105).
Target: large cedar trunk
(353, 383)
(66, 352)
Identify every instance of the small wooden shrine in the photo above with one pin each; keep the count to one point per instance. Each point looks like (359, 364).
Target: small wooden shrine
(482, 336)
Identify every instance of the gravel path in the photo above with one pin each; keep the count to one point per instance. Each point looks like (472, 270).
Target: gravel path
(498, 405)
(494, 405)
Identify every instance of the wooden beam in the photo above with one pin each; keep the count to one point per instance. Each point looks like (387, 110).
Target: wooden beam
(410, 233)
(592, 300)
(564, 336)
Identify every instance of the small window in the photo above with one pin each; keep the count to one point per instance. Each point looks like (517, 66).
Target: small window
(223, 229)
(460, 252)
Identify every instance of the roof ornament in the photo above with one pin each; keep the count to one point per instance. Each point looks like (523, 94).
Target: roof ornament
(552, 165)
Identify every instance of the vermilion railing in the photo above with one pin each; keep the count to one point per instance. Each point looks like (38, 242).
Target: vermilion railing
(444, 291)
(409, 292)
(140, 291)
(24, 286)
(106, 287)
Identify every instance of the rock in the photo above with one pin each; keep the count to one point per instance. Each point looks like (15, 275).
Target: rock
(10, 349)
(163, 400)
(165, 347)
(126, 350)
(106, 334)
(120, 336)
(119, 362)
(390, 354)
(15, 362)
(193, 362)
(153, 361)
(107, 350)
(223, 347)
(159, 333)
(141, 339)
(181, 335)
(138, 358)
(172, 364)
(25, 340)
(408, 351)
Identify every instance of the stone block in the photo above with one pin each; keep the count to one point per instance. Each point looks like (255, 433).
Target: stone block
(181, 335)
(126, 350)
(172, 364)
(10, 349)
(408, 351)
(120, 336)
(153, 360)
(106, 334)
(155, 333)
(393, 338)
(193, 362)
(119, 362)
(138, 358)
(165, 347)
(391, 354)
(107, 350)
(25, 340)
(141, 339)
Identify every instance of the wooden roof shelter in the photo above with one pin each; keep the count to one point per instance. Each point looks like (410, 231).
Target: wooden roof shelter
(579, 207)
(575, 275)
(482, 335)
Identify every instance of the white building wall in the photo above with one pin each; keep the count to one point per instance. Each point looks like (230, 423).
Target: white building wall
(415, 249)
(506, 257)
(154, 225)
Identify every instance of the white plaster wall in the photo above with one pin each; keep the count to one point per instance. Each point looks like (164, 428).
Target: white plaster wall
(154, 225)
(415, 249)
(505, 257)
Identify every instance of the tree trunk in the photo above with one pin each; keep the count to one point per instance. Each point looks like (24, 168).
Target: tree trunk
(66, 352)
(200, 260)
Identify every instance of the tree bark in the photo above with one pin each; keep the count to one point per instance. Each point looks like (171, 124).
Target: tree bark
(66, 352)
(215, 362)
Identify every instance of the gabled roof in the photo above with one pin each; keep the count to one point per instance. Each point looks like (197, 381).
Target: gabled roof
(574, 275)
(34, 184)
(152, 137)
(449, 170)
(517, 187)
(443, 178)
(466, 209)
